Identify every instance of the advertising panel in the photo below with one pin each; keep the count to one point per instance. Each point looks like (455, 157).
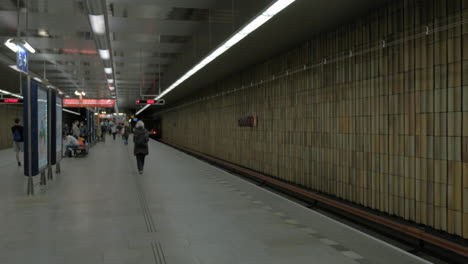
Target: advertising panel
(42, 126)
(58, 135)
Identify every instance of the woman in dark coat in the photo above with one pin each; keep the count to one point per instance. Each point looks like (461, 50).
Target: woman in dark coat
(140, 140)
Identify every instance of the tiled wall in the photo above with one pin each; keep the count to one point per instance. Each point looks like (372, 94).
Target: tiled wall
(383, 123)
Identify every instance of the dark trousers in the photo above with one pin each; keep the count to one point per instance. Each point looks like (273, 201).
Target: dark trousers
(113, 135)
(140, 161)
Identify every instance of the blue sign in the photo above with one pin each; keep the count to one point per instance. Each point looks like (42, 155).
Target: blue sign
(22, 58)
(135, 119)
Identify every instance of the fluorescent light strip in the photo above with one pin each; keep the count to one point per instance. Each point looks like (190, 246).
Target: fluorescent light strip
(28, 47)
(108, 70)
(110, 80)
(261, 19)
(11, 94)
(71, 112)
(14, 67)
(11, 45)
(97, 24)
(105, 54)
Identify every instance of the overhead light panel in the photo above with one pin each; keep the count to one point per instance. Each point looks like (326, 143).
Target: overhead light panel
(111, 88)
(110, 80)
(14, 67)
(43, 33)
(257, 22)
(11, 45)
(98, 24)
(277, 7)
(108, 70)
(104, 53)
(28, 47)
(37, 79)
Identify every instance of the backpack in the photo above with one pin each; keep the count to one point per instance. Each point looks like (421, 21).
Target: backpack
(16, 135)
(140, 141)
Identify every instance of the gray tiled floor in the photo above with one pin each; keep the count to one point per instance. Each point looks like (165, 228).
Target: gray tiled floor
(100, 211)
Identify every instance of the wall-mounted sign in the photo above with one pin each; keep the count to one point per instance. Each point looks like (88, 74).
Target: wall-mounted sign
(248, 121)
(151, 102)
(104, 103)
(11, 101)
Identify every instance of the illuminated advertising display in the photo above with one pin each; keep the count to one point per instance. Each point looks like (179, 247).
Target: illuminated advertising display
(42, 126)
(58, 135)
(104, 103)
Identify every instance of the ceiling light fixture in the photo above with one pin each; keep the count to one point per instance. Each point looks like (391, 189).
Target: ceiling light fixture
(261, 19)
(104, 53)
(98, 24)
(80, 93)
(12, 44)
(108, 70)
(43, 33)
(71, 112)
(14, 67)
(110, 80)
(111, 88)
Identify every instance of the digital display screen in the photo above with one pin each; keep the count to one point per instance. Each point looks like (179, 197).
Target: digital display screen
(11, 101)
(146, 101)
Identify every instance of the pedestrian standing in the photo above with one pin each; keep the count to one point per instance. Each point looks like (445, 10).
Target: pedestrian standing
(18, 139)
(76, 129)
(140, 140)
(114, 131)
(125, 133)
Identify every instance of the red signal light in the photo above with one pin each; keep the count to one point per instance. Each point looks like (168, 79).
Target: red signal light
(150, 101)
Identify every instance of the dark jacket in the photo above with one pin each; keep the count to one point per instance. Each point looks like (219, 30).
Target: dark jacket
(140, 133)
(126, 132)
(20, 131)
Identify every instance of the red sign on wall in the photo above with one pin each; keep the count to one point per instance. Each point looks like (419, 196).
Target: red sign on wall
(104, 103)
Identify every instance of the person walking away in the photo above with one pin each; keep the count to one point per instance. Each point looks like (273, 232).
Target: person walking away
(18, 139)
(76, 130)
(140, 140)
(70, 143)
(114, 131)
(125, 133)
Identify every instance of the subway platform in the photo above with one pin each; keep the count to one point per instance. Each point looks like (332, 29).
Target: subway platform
(180, 210)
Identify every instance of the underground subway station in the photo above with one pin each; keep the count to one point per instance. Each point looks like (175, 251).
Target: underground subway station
(233, 131)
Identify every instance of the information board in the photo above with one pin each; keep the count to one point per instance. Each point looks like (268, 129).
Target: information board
(58, 134)
(42, 126)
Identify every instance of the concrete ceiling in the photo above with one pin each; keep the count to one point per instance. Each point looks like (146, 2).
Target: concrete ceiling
(145, 37)
(153, 42)
(295, 25)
